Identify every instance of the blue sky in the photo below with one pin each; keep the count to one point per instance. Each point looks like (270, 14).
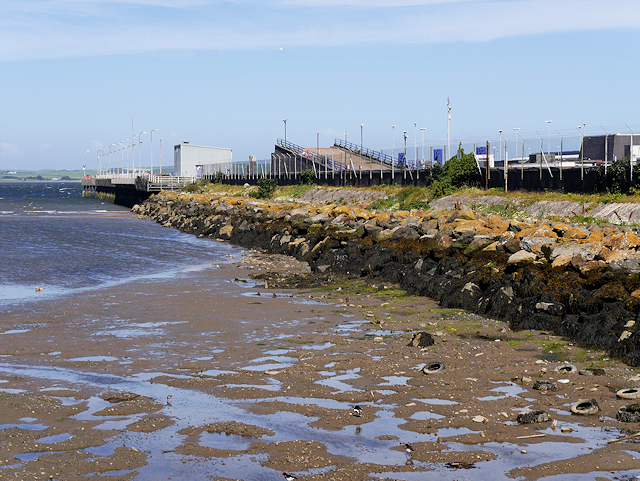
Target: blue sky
(74, 72)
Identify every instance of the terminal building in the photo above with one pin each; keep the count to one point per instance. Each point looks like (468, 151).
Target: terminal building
(198, 160)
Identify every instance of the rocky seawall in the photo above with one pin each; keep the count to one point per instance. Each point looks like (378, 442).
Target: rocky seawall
(581, 282)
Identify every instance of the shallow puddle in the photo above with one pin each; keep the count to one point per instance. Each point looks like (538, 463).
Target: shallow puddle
(195, 408)
(55, 438)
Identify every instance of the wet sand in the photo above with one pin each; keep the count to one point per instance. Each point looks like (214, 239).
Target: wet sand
(216, 376)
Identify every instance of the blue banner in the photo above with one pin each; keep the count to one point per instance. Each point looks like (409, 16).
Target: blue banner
(401, 158)
(481, 151)
(437, 155)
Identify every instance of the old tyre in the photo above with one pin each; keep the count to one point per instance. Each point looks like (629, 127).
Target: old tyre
(433, 367)
(629, 393)
(585, 407)
(545, 386)
(533, 417)
(566, 368)
(594, 371)
(629, 413)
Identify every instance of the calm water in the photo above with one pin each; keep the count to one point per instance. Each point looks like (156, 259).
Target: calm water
(51, 237)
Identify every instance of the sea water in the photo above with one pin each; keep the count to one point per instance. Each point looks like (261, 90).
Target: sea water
(52, 237)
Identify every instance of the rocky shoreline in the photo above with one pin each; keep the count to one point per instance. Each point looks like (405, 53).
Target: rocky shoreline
(581, 282)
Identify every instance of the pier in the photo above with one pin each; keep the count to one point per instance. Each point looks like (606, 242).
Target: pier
(129, 189)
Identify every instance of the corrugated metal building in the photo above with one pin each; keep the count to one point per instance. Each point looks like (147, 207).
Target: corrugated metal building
(198, 160)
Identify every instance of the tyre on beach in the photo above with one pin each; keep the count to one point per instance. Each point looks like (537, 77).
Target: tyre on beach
(545, 386)
(594, 371)
(629, 393)
(629, 413)
(585, 407)
(533, 417)
(433, 367)
(566, 368)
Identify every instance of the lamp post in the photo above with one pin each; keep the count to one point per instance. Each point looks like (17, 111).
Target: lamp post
(422, 129)
(448, 119)
(393, 151)
(151, 143)
(515, 129)
(561, 150)
(631, 157)
(606, 138)
(122, 156)
(112, 152)
(161, 160)
(404, 134)
(139, 149)
(84, 165)
(505, 158)
(285, 129)
(415, 142)
(126, 142)
(581, 130)
(548, 122)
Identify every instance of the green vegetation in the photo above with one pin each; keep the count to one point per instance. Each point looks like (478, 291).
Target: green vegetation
(266, 188)
(406, 198)
(199, 187)
(308, 176)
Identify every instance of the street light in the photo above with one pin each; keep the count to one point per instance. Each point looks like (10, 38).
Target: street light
(84, 165)
(393, 150)
(631, 157)
(361, 126)
(415, 141)
(561, 153)
(151, 142)
(139, 149)
(422, 129)
(516, 132)
(581, 130)
(606, 138)
(549, 146)
(285, 129)
(111, 158)
(404, 134)
(448, 119)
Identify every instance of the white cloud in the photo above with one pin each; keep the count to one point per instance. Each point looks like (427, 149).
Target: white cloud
(55, 32)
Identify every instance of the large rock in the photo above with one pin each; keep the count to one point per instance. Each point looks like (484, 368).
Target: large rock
(521, 258)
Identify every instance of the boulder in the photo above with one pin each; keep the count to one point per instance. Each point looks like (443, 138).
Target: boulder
(521, 258)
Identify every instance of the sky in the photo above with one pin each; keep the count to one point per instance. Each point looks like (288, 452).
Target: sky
(76, 74)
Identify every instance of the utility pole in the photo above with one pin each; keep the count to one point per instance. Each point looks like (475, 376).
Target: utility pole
(448, 119)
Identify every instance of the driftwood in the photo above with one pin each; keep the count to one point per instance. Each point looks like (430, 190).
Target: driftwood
(611, 441)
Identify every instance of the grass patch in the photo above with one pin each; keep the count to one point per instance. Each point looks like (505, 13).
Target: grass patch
(393, 292)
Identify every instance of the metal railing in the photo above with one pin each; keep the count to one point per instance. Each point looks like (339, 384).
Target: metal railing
(321, 160)
(375, 155)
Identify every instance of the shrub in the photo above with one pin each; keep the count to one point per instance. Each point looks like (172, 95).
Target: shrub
(266, 188)
(308, 176)
(462, 169)
(219, 178)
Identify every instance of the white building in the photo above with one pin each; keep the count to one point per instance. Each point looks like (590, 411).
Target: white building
(198, 160)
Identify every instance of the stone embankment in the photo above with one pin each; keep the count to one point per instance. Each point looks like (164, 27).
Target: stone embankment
(582, 282)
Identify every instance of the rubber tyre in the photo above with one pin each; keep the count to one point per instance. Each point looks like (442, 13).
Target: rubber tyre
(566, 368)
(585, 407)
(545, 386)
(433, 367)
(596, 371)
(629, 413)
(533, 417)
(629, 393)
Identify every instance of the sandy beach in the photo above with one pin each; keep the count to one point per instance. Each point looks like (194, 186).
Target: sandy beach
(221, 376)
